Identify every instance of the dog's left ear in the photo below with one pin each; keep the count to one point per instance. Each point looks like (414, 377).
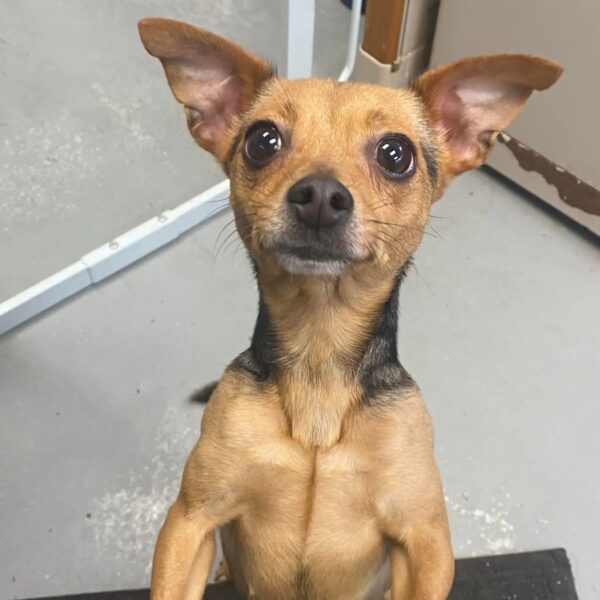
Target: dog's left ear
(472, 100)
(213, 78)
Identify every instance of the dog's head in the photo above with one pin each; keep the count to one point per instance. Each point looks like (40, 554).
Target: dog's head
(327, 177)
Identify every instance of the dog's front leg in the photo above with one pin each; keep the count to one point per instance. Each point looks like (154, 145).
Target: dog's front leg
(183, 556)
(422, 565)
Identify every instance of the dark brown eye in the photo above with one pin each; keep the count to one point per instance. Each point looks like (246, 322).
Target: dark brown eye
(396, 156)
(263, 141)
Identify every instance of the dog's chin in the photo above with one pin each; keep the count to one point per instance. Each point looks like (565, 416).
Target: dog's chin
(311, 267)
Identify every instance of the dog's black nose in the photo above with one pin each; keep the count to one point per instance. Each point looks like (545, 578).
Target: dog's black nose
(320, 201)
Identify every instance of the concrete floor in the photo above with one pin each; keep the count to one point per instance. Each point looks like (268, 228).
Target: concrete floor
(499, 321)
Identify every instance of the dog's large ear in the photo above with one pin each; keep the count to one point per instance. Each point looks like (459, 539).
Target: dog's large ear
(213, 78)
(475, 98)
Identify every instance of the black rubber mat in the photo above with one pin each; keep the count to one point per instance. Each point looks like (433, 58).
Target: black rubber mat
(543, 575)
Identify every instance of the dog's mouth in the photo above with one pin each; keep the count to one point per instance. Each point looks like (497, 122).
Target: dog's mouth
(313, 260)
(313, 266)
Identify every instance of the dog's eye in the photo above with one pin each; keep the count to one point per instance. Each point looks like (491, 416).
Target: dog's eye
(396, 156)
(263, 141)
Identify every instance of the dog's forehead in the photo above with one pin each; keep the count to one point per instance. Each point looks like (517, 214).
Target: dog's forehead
(354, 107)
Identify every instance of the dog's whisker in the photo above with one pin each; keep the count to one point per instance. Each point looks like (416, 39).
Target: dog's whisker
(406, 227)
(216, 210)
(396, 239)
(382, 205)
(388, 236)
(238, 239)
(241, 246)
(258, 203)
(228, 224)
(225, 240)
(219, 200)
(437, 233)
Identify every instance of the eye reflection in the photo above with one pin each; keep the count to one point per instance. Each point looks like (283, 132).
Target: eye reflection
(395, 155)
(263, 141)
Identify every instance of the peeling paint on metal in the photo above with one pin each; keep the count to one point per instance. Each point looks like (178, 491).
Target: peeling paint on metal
(571, 190)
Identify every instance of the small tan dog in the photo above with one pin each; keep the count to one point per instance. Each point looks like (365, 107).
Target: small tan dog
(316, 456)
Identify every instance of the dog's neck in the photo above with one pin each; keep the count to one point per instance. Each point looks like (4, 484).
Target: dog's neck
(327, 345)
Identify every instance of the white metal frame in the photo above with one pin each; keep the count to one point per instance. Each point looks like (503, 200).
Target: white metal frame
(159, 231)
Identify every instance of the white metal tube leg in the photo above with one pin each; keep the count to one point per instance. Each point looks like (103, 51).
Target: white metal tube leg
(112, 257)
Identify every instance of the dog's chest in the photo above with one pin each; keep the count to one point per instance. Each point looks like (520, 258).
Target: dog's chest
(311, 530)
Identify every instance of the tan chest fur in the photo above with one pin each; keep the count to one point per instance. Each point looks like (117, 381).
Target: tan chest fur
(312, 518)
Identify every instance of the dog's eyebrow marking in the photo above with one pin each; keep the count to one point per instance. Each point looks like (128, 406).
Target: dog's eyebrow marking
(374, 117)
(288, 109)
(430, 154)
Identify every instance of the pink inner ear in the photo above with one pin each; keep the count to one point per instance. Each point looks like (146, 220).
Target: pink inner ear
(211, 92)
(452, 111)
(454, 121)
(212, 108)
(475, 106)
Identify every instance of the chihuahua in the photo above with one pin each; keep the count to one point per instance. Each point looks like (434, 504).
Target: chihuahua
(315, 461)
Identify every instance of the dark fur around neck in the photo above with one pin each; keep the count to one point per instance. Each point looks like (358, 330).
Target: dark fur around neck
(379, 368)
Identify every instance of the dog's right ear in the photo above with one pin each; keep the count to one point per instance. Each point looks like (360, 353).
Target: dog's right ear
(213, 78)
